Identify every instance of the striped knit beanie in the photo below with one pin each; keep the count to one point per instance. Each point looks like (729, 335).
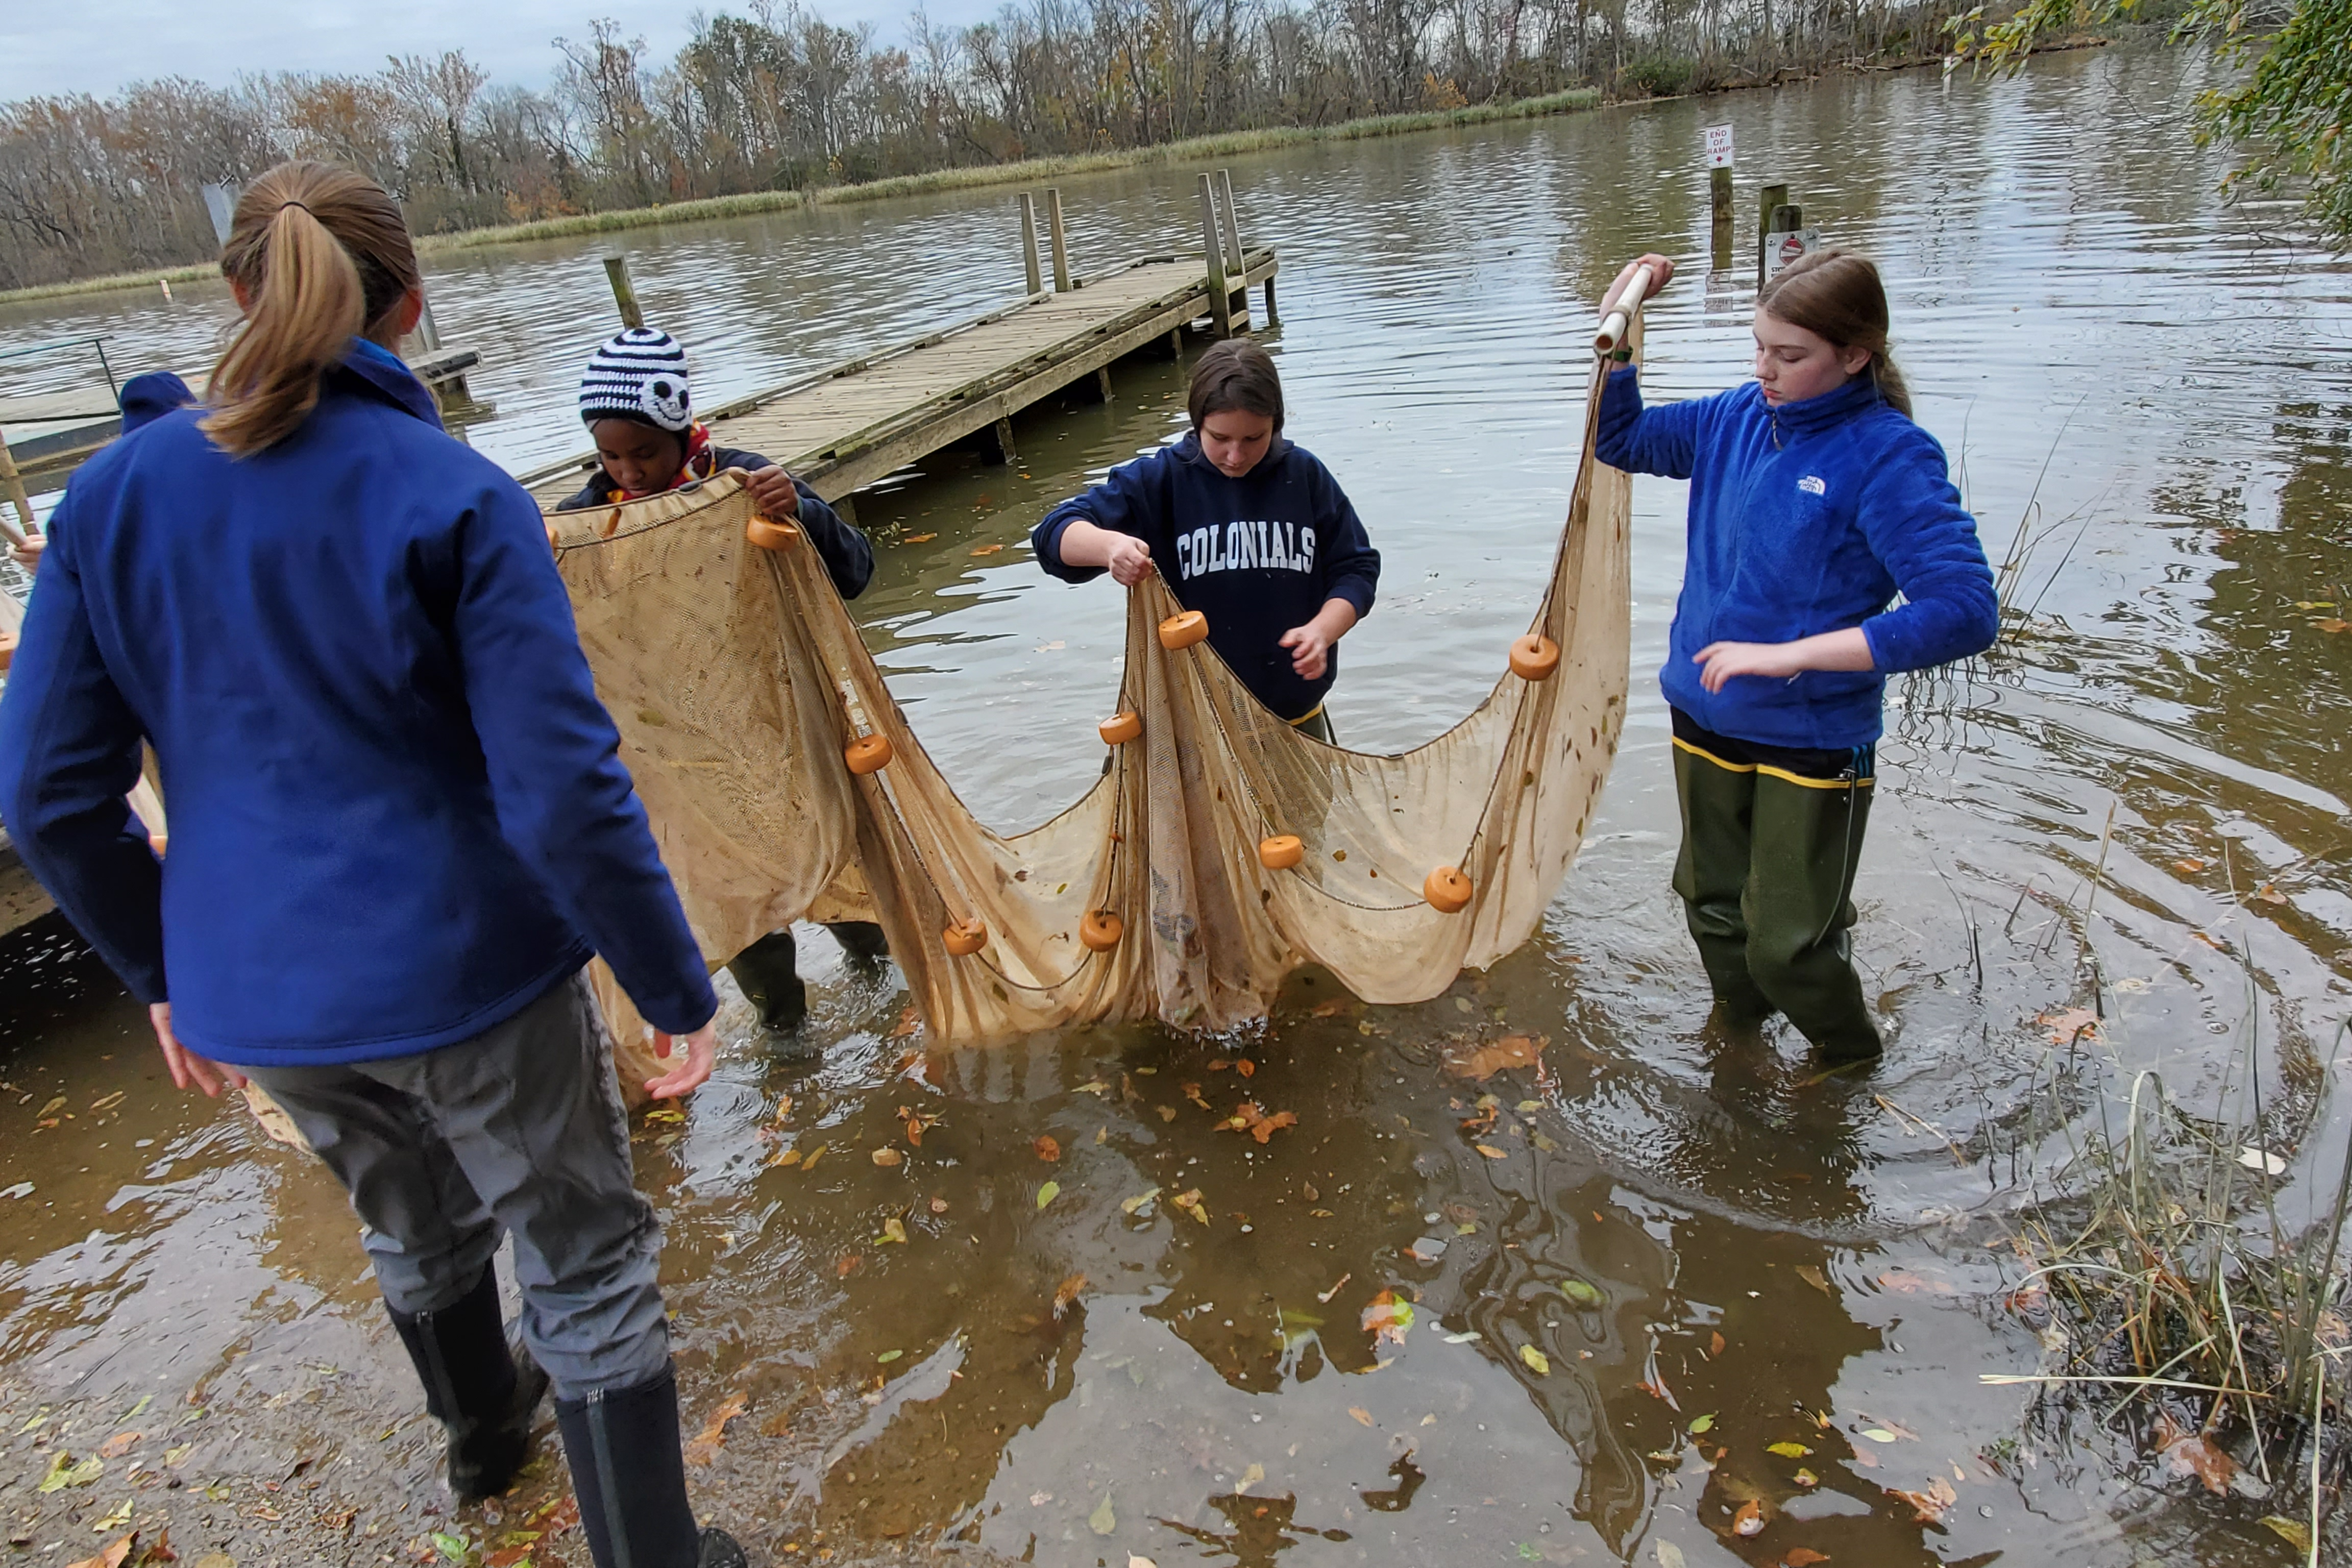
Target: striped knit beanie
(639, 375)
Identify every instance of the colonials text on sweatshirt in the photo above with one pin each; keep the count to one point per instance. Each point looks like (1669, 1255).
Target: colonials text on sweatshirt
(1257, 555)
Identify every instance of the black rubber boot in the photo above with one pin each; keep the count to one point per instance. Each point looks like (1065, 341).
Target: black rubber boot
(629, 1475)
(479, 1386)
(862, 940)
(769, 975)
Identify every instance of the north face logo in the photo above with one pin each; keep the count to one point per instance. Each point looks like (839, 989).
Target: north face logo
(1811, 485)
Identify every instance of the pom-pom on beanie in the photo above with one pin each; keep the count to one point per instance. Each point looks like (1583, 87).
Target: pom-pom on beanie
(637, 374)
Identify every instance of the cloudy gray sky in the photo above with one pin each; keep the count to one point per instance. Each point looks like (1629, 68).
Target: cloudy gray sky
(98, 45)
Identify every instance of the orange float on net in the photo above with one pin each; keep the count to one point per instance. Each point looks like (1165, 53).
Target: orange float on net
(965, 938)
(1181, 631)
(1534, 657)
(156, 841)
(768, 535)
(1101, 930)
(1120, 728)
(553, 547)
(1281, 852)
(1447, 890)
(867, 753)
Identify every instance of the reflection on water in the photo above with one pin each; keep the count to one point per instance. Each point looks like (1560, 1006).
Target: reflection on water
(1660, 1285)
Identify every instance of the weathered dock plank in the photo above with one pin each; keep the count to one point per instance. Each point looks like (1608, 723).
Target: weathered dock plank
(843, 428)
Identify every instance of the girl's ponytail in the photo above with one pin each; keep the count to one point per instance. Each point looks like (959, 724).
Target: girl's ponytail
(318, 255)
(1838, 296)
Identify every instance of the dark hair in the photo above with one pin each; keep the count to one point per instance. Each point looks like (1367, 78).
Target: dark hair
(322, 255)
(1837, 296)
(1236, 376)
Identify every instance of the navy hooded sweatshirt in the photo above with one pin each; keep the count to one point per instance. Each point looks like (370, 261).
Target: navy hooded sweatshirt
(1257, 555)
(1806, 519)
(398, 811)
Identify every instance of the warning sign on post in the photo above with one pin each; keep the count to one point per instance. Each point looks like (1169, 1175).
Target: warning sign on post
(1718, 146)
(1780, 249)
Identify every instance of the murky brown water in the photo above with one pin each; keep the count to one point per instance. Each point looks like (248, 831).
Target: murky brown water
(2065, 283)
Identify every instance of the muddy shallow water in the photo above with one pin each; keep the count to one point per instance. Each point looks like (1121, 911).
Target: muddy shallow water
(1641, 1262)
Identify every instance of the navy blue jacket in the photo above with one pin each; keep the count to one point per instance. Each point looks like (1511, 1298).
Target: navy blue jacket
(1257, 555)
(848, 557)
(1807, 518)
(398, 811)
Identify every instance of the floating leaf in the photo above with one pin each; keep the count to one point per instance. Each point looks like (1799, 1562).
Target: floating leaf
(704, 1446)
(1878, 1434)
(2188, 863)
(1539, 1362)
(1701, 1425)
(64, 1472)
(808, 1162)
(454, 1547)
(1750, 1520)
(1102, 1522)
(1932, 1504)
(1066, 1292)
(1137, 1204)
(1387, 1317)
(1483, 1061)
(2262, 1160)
(2332, 624)
(1812, 1276)
(2070, 1024)
(1490, 1151)
(115, 1447)
(2196, 1454)
(1788, 1450)
(1048, 1193)
(1802, 1557)
(1248, 1118)
(1363, 1417)
(1586, 1296)
(1049, 1148)
(2295, 1532)
(886, 1357)
(1806, 1478)
(919, 539)
(1190, 1203)
(1714, 1350)
(991, 550)
(886, 1157)
(892, 1229)
(1669, 1555)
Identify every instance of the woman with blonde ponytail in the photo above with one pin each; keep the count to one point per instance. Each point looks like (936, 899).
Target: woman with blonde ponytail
(1814, 500)
(400, 828)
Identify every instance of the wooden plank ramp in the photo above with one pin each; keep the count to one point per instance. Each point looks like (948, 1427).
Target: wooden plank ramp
(843, 428)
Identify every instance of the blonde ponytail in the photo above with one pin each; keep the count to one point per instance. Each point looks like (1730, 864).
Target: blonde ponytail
(318, 255)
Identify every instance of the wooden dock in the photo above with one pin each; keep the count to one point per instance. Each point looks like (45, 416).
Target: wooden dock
(843, 428)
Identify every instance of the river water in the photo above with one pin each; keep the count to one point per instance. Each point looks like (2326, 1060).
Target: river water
(1684, 1253)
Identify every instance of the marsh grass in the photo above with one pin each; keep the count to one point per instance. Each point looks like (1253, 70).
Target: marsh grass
(2184, 1309)
(753, 203)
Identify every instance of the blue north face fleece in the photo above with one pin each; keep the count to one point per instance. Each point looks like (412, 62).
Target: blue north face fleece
(1257, 555)
(398, 812)
(1807, 518)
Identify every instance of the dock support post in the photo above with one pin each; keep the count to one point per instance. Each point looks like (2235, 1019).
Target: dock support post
(1237, 259)
(1719, 194)
(1102, 379)
(1768, 198)
(1006, 451)
(12, 487)
(1272, 319)
(1061, 248)
(1175, 342)
(1029, 244)
(1212, 245)
(625, 293)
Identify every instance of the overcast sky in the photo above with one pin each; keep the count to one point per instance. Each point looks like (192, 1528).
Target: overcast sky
(99, 46)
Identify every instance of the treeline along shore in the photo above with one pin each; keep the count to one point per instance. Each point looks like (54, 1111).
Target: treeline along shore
(780, 107)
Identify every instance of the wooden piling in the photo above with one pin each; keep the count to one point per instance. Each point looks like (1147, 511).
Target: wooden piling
(1005, 450)
(1061, 247)
(1770, 197)
(625, 293)
(1237, 259)
(1102, 380)
(1212, 246)
(1034, 273)
(1272, 318)
(1175, 342)
(12, 487)
(1719, 196)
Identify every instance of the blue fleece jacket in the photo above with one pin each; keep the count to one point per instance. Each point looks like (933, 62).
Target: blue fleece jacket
(398, 812)
(1806, 519)
(1257, 555)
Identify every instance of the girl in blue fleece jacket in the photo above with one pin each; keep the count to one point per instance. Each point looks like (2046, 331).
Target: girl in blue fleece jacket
(1814, 500)
(1247, 529)
(399, 828)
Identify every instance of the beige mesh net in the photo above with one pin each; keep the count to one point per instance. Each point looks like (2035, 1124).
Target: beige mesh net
(739, 680)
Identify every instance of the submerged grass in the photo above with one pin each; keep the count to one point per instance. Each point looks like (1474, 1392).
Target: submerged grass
(2181, 1310)
(751, 203)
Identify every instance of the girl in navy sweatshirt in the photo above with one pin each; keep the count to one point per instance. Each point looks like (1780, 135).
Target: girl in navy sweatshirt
(1246, 527)
(1814, 500)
